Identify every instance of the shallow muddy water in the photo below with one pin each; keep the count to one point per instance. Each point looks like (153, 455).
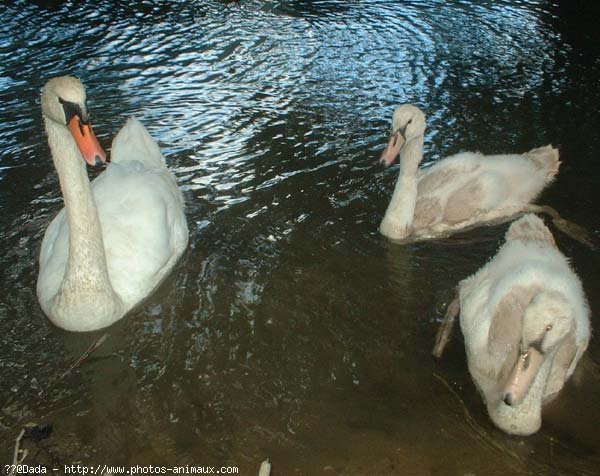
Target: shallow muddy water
(291, 329)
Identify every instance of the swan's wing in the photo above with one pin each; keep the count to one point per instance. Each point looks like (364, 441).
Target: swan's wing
(505, 327)
(448, 174)
(468, 186)
(143, 226)
(134, 142)
(53, 257)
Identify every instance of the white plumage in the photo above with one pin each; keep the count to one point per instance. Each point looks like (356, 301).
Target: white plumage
(129, 223)
(525, 321)
(460, 191)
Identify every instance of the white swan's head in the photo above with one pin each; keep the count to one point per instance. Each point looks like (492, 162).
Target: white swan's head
(64, 102)
(408, 123)
(547, 321)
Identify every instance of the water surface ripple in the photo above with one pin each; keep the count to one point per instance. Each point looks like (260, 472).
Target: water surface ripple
(291, 329)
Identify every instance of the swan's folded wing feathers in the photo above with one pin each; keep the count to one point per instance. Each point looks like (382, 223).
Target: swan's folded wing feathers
(53, 257)
(147, 231)
(134, 142)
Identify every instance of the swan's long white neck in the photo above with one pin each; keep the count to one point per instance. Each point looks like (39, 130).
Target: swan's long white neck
(401, 209)
(86, 275)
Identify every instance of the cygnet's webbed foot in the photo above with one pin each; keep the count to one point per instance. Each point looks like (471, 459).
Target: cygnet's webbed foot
(575, 231)
(445, 330)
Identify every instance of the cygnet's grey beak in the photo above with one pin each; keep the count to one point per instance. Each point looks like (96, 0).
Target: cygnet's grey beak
(393, 148)
(522, 376)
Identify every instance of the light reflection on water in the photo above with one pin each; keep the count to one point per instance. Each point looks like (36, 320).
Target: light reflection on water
(290, 328)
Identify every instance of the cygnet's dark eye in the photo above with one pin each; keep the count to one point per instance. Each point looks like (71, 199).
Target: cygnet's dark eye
(548, 327)
(409, 121)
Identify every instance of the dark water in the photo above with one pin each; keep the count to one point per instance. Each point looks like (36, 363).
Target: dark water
(291, 329)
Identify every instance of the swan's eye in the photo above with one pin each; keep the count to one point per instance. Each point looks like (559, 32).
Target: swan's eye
(548, 327)
(409, 121)
(72, 109)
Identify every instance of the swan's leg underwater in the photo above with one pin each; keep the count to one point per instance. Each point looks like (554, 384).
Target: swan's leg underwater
(575, 231)
(445, 330)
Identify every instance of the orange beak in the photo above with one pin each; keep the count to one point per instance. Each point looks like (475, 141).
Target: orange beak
(86, 141)
(392, 150)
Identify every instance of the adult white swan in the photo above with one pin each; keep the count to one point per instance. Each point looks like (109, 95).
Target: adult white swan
(117, 238)
(525, 321)
(460, 191)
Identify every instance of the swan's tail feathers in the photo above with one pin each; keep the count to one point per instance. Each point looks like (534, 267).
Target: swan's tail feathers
(134, 142)
(529, 228)
(547, 159)
(575, 231)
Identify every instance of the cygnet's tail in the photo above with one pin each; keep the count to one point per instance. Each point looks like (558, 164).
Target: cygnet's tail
(529, 228)
(547, 159)
(575, 231)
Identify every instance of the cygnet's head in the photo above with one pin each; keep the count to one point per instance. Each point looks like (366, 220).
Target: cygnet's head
(547, 321)
(64, 102)
(408, 123)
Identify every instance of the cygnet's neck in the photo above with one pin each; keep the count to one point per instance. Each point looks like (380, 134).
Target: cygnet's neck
(401, 210)
(411, 156)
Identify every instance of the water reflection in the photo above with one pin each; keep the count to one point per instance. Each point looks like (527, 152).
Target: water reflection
(289, 321)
